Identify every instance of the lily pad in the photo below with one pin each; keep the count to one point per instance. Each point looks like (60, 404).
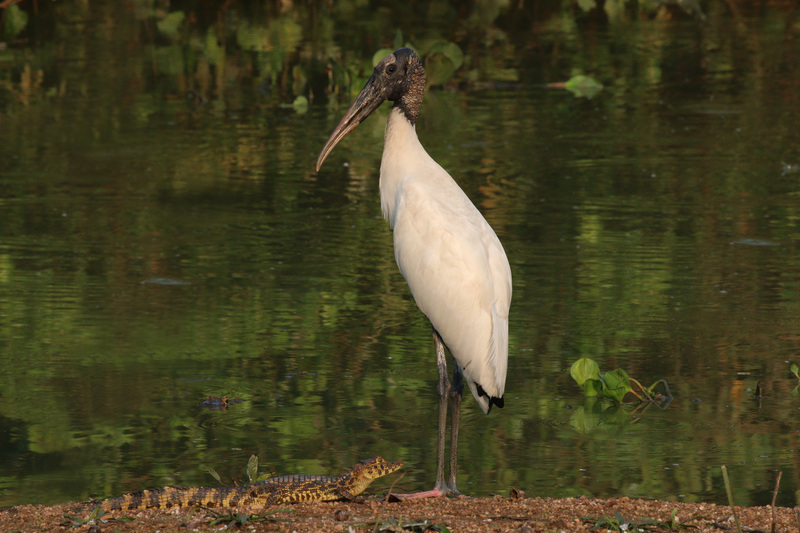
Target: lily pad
(583, 86)
(16, 20)
(584, 369)
(300, 104)
(171, 24)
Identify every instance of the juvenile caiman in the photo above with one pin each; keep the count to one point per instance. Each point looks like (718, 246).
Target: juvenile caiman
(275, 490)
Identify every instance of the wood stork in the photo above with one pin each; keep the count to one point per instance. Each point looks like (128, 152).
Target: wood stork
(451, 258)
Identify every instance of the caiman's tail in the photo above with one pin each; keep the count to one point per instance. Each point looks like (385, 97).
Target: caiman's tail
(168, 497)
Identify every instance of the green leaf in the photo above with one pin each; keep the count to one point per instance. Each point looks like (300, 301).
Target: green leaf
(169, 59)
(592, 387)
(213, 51)
(442, 60)
(617, 379)
(617, 385)
(380, 54)
(171, 24)
(584, 421)
(795, 370)
(212, 472)
(583, 86)
(450, 50)
(254, 39)
(398, 39)
(300, 104)
(16, 20)
(252, 468)
(97, 513)
(615, 395)
(583, 369)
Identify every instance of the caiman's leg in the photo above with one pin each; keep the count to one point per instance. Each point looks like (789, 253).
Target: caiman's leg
(346, 494)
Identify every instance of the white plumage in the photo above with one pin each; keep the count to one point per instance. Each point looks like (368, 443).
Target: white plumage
(451, 258)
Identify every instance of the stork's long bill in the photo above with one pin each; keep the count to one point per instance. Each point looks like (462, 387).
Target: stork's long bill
(402, 81)
(368, 101)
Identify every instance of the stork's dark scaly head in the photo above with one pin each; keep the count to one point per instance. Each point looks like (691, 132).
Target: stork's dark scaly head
(400, 78)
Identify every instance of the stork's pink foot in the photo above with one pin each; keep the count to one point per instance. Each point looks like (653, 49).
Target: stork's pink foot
(435, 493)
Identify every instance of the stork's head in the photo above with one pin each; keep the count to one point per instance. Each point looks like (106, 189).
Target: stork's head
(398, 77)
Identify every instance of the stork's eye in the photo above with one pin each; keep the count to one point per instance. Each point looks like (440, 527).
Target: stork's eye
(391, 69)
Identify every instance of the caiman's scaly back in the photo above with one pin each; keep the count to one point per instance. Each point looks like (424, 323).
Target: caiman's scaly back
(275, 490)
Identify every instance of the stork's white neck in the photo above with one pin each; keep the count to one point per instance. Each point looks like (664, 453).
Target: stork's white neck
(402, 154)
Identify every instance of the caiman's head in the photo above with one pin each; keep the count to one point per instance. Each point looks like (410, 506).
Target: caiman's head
(354, 481)
(374, 467)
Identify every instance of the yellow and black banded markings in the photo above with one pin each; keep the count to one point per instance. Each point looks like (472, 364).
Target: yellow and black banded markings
(275, 490)
(168, 497)
(297, 488)
(296, 478)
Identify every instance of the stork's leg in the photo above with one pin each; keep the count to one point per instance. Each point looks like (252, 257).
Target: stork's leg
(455, 396)
(444, 391)
(441, 488)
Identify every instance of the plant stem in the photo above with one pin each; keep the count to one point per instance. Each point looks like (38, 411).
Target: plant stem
(774, 496)
(730, 498)
(666, 387)
(644, 391)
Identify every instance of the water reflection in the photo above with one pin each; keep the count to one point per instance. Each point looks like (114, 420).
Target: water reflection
(154, 252)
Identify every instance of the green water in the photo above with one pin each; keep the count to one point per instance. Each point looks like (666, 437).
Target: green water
(164, 238)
